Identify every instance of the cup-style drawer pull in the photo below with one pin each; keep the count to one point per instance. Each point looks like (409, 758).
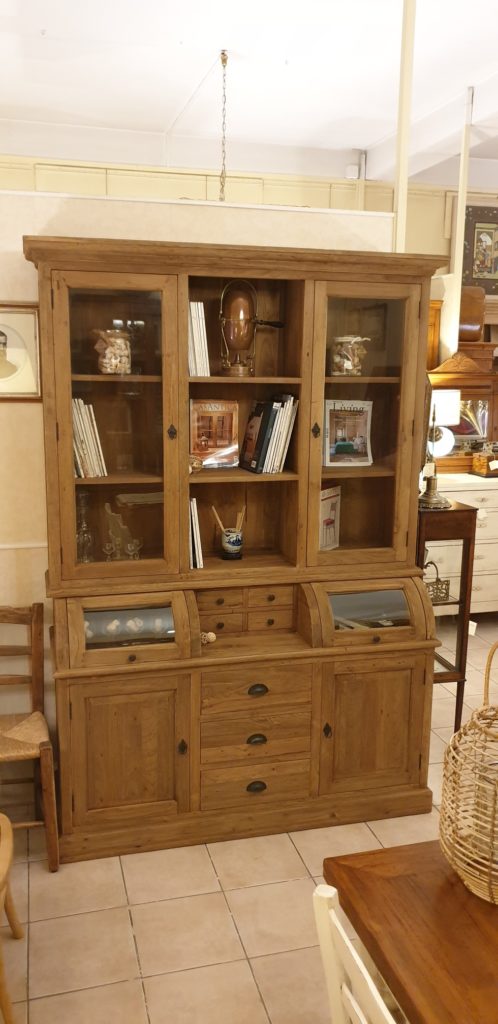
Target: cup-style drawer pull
(220, 600)
(476, 588)
(257, 690)
(270, 597)
(257, 739)
(258, 786)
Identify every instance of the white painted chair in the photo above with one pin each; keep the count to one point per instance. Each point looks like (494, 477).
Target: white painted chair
(353, 996)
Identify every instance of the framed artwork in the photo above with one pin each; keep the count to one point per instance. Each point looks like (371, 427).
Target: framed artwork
(19, 352)
(480, 248)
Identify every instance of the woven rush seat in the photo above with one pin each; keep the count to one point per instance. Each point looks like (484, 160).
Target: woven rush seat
(21, 735)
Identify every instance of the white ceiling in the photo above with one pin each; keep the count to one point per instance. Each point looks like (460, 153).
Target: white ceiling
(310, 85)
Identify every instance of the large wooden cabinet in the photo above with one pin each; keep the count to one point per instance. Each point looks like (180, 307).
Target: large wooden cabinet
(313, 705)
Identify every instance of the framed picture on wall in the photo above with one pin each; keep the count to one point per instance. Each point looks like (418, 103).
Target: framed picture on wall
(19, 352)
(480, 248)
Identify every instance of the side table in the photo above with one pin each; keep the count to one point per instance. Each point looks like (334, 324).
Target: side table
(455, 523)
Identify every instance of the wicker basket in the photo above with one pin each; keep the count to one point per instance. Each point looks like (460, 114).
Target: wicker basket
(468, 827)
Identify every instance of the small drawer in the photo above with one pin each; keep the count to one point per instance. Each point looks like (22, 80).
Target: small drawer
(222, 622)
(264, 686)
(254, 737)
(212, 600)
(270, 619)
(252, 786)
(270, 597)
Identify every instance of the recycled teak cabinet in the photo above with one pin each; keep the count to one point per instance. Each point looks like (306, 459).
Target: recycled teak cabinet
(312, 707)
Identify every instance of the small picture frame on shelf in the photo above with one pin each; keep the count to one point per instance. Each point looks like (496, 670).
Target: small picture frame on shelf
(480, 248)
(19, 352)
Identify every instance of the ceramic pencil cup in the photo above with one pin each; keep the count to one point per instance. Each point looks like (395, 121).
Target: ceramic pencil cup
(231, 543)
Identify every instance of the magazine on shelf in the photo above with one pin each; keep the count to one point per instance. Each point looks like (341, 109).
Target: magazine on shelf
(257, 436)
(330, 515)
(196, 546)
(282, 431)
(214, 435)
(347, 433)
(87, 449)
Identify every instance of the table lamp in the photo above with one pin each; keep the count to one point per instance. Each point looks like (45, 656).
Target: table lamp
(445, 411)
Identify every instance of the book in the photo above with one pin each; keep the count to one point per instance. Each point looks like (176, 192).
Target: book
(214, 438)
(87, 449)
(330, 513)
(196, 536)
(198, 347)
(282, 431)
(259, 429)
(347, 433)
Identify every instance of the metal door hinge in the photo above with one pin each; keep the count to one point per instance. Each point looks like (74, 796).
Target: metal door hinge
(420, 761)
(57, 431)
(52, 295)
(72, 801)
(62, 554)
(70, 711)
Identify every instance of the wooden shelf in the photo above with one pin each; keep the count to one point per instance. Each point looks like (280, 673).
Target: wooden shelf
(238, 476)
(116, 479)
(276, 381)
(340, 378)
(119, 378)
(251, 560)
(379, 468)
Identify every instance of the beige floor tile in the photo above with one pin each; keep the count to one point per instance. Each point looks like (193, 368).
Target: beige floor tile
(437, 749)
(175, 935)
(415, 828)
(293, 987)
(20, 1011)
(165, 874)
(82, 951)
(445, 733)
(222, 994)
(477, 657)
(15, 958)
(75, 888)
(274, 918)
(256, 861)
(439, 691)
(37, 847)
(435, 782)
(317, 843)
(20, 845)
(19, 887)
(110, 1004)
(443, 713)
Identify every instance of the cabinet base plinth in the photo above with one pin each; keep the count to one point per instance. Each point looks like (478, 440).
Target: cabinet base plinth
(202, 827)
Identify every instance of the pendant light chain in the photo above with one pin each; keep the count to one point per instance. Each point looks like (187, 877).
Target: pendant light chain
(223, 174)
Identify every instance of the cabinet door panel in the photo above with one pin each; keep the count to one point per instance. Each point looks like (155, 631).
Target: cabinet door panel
(127, 748)
(372, 729)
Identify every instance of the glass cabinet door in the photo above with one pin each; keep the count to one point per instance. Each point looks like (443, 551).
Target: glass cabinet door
(116, 394)
(363, 406)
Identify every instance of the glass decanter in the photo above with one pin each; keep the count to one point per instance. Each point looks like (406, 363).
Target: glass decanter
(84, 537)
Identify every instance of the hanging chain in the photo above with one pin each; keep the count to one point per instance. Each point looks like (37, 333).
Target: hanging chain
(223, 174)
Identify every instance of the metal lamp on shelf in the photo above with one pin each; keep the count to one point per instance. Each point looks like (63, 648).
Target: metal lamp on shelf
(445, 412)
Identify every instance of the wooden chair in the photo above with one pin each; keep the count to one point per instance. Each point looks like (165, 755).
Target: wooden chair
(25, 737)
(6, 851)
(353, 996)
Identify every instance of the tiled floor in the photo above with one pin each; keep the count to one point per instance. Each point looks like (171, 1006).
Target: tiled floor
(216, 934)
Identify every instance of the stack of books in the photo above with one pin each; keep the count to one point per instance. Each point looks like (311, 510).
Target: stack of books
(268, 433)
(87, 449)
(198, 358)
(195, 546)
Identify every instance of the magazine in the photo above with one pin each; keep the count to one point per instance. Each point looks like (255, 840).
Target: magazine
(214, 432)
(347, 433)
(330, 512)
(257, 436)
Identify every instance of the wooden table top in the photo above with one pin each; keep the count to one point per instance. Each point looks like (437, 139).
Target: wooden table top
(434, 942)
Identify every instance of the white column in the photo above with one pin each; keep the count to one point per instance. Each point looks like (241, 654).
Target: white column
(404, 110)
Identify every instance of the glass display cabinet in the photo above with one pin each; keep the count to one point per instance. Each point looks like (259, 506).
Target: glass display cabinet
(200, 699)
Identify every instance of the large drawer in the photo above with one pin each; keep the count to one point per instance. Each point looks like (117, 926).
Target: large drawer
(254, 785)
(244, 687)
(487, 526)
(478, 498)
(254, 736)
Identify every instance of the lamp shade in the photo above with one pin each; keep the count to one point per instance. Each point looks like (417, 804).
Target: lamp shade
(446, 404)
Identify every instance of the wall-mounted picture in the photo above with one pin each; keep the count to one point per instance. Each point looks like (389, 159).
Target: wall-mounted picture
(19, 352)
(480, 248)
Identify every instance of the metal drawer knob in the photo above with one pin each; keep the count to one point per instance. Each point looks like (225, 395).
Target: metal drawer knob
(220, 625)
(376, 639)
(257, 739)
(132, 657)
(257, 690)
(270, 597)
(220, 600)
(258, 786)
(270, 622)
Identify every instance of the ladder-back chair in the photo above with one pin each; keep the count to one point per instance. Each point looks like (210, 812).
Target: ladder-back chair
(6, 853)
(25, 737)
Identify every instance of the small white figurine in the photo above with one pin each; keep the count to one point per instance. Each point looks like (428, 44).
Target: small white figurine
(208, 638)
(134, 625)
(112, 627)
(88, 630)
